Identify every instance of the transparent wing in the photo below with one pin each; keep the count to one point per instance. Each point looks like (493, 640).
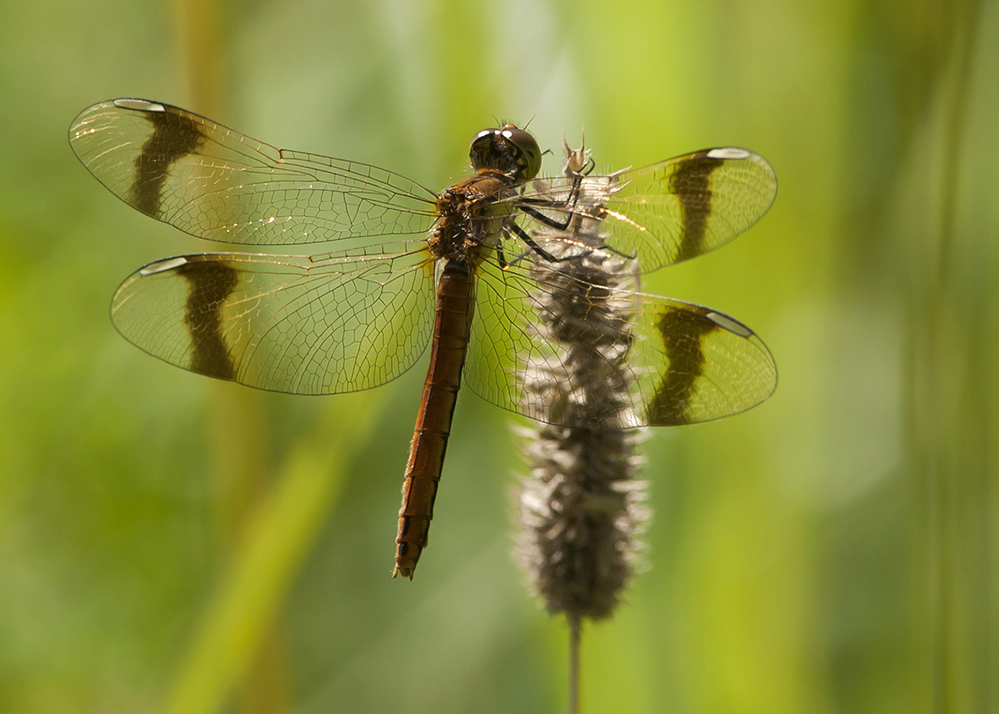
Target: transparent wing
(218, 184)
(324, 324)
(568, 352)
(664, 213)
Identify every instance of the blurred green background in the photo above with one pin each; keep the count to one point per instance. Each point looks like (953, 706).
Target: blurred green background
(171, 544)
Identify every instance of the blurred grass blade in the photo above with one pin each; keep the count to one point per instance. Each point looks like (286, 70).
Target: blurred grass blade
(264, 566)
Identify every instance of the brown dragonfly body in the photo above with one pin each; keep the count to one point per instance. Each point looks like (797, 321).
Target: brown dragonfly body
(462, 209)
(433, 423)
(411, 268)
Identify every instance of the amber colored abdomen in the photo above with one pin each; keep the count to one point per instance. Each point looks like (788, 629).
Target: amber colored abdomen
(455, 304)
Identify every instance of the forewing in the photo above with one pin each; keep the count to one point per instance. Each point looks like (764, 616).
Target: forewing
(218, 184)
(654, 361)
(324, 324)
(664, 213)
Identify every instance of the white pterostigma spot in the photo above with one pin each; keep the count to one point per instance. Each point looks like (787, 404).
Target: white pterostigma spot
(162, 266)
(727, 323)
(728, 152)
(140, 105)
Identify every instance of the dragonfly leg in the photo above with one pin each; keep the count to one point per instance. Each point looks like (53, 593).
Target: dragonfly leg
(526, 237)
(568, 205)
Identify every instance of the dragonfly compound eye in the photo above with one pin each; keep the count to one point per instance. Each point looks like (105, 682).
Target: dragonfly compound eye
(508, 149)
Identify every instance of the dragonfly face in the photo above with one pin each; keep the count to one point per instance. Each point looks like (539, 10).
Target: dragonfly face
(410, 267)
(509, 150)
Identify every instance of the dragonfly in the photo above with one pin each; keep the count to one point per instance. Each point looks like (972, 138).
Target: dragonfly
(407, 267)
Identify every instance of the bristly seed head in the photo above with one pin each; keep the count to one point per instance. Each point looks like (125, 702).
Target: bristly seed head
(581, 512)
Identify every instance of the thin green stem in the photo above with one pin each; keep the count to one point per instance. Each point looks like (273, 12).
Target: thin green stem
(575, 632)
(945, 507)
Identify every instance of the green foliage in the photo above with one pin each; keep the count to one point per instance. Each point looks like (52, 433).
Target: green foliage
(167, 544)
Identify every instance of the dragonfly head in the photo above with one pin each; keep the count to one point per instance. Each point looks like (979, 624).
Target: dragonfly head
(508, 149)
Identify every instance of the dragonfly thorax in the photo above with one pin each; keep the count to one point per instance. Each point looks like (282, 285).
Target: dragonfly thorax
(469, 217)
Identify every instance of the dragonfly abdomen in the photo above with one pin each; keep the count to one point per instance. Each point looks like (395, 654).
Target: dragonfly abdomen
(452, 323)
